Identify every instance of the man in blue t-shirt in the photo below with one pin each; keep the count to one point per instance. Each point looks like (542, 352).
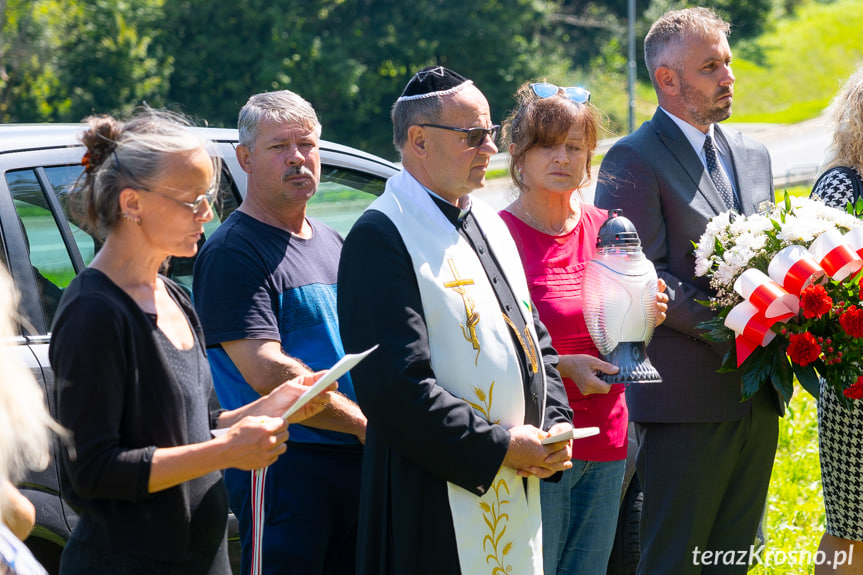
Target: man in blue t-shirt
(265, 288)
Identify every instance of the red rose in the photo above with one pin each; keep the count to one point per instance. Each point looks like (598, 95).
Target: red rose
(803, 348)
(852, 321)
(856, 390)
(815, 301)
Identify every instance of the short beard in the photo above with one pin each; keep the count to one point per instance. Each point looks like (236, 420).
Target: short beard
(701, 110)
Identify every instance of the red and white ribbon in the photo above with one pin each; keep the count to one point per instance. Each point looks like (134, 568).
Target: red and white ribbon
(794, 268)
(854, 238)
(766, 295)
(259, 477)
(775, 298)
(837, 258)
(752, 328)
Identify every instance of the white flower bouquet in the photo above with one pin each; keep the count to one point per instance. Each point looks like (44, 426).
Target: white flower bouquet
(786, 289)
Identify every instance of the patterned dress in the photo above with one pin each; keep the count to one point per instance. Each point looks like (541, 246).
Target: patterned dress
(840, 432)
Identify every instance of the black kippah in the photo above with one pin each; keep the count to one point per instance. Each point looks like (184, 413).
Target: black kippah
(433, 81)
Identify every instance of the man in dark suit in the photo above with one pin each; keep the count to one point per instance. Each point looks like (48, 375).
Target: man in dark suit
(704, 457)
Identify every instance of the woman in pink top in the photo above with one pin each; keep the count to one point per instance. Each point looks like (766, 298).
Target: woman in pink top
(553, 134)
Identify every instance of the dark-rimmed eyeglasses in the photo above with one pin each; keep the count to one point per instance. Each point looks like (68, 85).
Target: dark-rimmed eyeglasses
(575, 93)
(197, 206)
(475, 136)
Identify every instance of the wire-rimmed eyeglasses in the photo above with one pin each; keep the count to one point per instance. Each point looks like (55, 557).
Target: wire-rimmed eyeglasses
(197, 206)
(475, 136)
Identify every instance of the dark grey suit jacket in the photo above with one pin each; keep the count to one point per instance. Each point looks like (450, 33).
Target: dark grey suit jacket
(658, 180)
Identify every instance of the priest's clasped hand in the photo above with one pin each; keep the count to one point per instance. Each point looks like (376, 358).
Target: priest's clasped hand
(528, 456)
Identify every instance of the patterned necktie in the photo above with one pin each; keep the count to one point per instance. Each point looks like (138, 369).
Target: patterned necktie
(718, 175)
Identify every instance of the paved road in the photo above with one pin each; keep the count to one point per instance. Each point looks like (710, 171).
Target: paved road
(796, 151)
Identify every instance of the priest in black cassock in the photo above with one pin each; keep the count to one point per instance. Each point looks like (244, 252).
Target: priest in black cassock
(463, 387)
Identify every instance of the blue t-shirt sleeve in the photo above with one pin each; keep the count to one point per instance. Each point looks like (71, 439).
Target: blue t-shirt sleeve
(233, 292)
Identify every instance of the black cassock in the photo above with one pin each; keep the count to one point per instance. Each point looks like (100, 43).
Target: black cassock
(419, 435)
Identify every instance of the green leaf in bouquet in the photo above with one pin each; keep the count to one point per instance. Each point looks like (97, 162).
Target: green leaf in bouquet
(715, 329)
(808, 378)
(855, 208)
(756, 370)
(718, 248)
(768, 364)
(782, 376)
(729, 360)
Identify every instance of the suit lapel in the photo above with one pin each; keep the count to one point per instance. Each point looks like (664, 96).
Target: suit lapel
(683, 152)
(743, 169)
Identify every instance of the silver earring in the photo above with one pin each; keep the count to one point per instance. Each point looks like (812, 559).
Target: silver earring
(134, 219)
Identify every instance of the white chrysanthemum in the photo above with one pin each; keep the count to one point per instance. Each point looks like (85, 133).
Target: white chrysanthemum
(752, 242)
(725, 274)
(718, 223)
(804, 229)
(738, 256)
(753, 224)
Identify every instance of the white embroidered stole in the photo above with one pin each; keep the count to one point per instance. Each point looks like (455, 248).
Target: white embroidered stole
(473, 357)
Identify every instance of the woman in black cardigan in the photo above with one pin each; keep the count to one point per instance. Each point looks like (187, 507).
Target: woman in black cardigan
(133, 380)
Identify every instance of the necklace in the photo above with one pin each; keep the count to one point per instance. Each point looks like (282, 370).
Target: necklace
(542, 228)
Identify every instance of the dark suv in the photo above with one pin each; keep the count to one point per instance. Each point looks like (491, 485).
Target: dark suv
(43, 248)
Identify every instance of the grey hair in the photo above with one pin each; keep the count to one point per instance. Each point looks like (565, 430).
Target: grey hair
(133, 154)
(407, 113)
(281, 106)
(664, 43)
(26, 426)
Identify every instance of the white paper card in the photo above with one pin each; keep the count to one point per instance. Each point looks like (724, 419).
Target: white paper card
(574, 433)
(341, 367)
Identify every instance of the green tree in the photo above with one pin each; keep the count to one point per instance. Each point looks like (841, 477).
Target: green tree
(111, 63)
(223, 52)
(350, 59)
(28, 60)
(61, 60)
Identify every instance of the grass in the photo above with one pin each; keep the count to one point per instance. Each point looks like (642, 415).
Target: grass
(795, 513)
(796, 68)
(787, 75)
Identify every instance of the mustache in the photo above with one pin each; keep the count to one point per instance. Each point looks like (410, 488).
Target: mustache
(297, 171)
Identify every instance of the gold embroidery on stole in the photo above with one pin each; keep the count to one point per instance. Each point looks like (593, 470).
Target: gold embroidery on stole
(485, 408)
(528, 347)
(458, 285)
(496, 520)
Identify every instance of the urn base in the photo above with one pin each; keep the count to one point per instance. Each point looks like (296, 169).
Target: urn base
(635, 367)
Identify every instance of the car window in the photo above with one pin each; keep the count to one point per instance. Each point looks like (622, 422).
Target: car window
(180, 269)
(38, 192)
(50, 261)
(342, 196)
(63, 179)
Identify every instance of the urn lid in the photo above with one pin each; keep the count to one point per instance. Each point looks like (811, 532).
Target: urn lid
(617, 231)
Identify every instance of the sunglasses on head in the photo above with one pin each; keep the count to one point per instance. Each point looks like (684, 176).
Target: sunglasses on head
(575, 93)
(475, 136)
